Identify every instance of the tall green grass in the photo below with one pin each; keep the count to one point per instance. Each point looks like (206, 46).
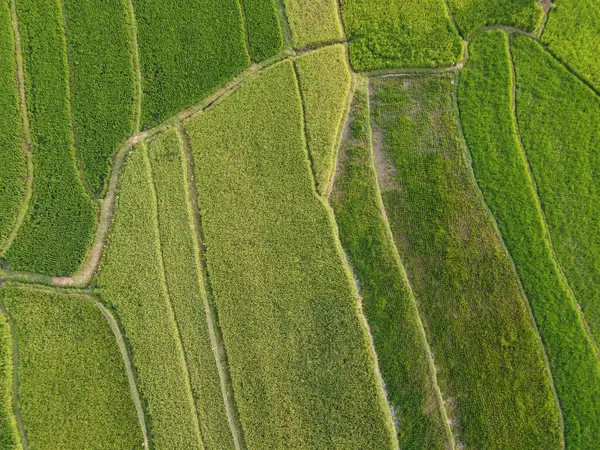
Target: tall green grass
(263, 28)
(313, 22)
(571, 33)
(12, 155)
(73, 390)
(387, 298)
(58, 227)
(470, 15)
(103, 84)
(324, 78)
(558, 118)
(9, 434)
(485, 100)
(302, 368)
(188, 48)
(490, 363)
(185, 286)
(131, 283)
(400, 33)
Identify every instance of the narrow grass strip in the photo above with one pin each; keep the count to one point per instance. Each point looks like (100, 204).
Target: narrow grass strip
(131, 285)
(103, 84)
(400, 34)
(186, 288)
(485, 100)
(313, 22)
(72, 385)
(490, 361)
(301, 362)
(188, 49)
(58, 227)
(389, 305)
(324, 78)
(12, 139)
(263, 29)
(9, 433)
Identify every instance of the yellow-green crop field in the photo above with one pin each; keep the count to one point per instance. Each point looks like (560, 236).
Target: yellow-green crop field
(299, 224)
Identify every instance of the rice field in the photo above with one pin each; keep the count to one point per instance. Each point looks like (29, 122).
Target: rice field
(297, 224)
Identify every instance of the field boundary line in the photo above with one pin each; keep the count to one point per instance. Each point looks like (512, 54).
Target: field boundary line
(240, 4)
(216, 338)
(396, 254)
(135, 53)
(569, 69)
(166, 291)
(540, 207)
(22, 86)
(547, 6)
(286, 32)
(15, 379)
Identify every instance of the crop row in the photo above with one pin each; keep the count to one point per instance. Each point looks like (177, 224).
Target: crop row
(187, 50)
(102, 84)
(12, 154)
(9, 434)
(324, 78)
(302, 367)
(387, 299)
(73, 391)
(486, 99)
(263, 29)
(185, 286)
(313, 22)
(571, 33)
(400, 33)
(489, 358)
(61, 217)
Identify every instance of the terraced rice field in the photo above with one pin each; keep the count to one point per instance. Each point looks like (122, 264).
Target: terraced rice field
(299, 224)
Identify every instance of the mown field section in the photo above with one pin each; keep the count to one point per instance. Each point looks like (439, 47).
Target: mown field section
(489, 358)
(301, 363)
(73, 391)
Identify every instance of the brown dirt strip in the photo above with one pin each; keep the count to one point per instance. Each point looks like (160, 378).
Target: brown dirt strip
(216, 338)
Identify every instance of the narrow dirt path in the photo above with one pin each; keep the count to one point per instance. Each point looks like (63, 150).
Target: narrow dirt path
(214, 331)
(26, 130)
(15, 380)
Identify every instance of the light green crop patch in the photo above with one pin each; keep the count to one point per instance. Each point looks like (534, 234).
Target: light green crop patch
(572, 35)
(324, 78)
(485, 100)
(9, 434)
(131, 282)
(301, 363)
(384, 34)
(313, 22)
(488, 355)
(73, 389)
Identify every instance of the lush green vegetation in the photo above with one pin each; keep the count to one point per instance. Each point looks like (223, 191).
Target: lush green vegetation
(263, 29)
(102, 82)
(470, 15)
(486, 98)
(324, 78)
(188, 49)
(73, 391)
(387, 298)
(400, 33)
(489, 358)
(12, 151)
(302, 367)
(58, 227)
(131, 282)
(313, 22)
(9, 435)
(571, 33)
(185, 287)
(558, 118)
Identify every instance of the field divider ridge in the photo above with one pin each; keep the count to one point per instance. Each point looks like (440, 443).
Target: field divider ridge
(15, 380)
(390, 236)
(286, 32)
(541, 206)
(167, 294)
(26, 128)
(216, 338)
(135, 53)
